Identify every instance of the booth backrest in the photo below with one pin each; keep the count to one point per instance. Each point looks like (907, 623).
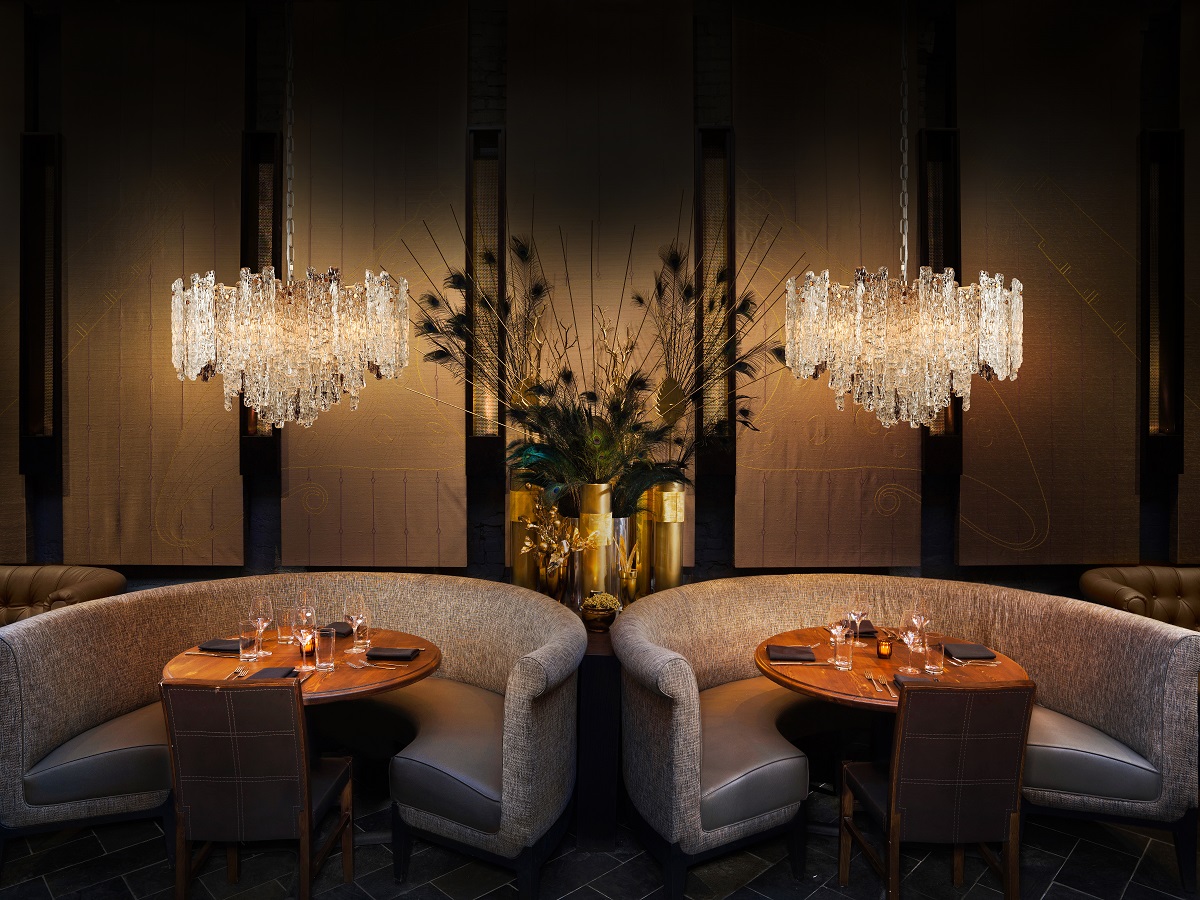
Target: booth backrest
(29, 590)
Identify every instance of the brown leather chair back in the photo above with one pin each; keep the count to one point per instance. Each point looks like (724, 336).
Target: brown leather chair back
(1166, 593)
(239, 758)
(957, 761)
(28, 590)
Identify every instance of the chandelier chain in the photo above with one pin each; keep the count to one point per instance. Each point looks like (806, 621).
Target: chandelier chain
(289, 222)
(903, 144)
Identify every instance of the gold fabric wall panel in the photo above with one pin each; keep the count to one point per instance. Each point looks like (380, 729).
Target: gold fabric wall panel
(1187, 538)
(12, 123)
(600, 154)
(152, 141)
(1049, 194)
(817, 110)
(380, 165)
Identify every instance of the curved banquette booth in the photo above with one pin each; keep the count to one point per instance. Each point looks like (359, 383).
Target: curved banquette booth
(1113, 732)
(85, 741)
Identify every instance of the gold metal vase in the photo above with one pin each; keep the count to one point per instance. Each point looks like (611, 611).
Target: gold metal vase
(668, 535)
(595, 517)
(524, 565)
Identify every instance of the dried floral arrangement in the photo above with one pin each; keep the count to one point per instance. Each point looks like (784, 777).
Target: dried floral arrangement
(630, 418)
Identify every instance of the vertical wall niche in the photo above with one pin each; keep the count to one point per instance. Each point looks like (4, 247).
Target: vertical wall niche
(150, 462)
(379, 176)
(817, 188)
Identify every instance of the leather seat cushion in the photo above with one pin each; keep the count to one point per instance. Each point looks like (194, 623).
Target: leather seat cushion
(747, 767)
(453, 765)
(125, 755)
(1063, 754)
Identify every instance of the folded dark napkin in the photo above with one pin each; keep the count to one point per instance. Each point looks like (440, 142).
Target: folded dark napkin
(222, 645)
(393, 653)
(273, 672)
(968, 651)
(911, 679)
(342, 629)
(865, 628)
(785, 653)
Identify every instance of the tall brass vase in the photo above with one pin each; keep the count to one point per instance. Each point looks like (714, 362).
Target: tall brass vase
(595, 515)
(668, 535)
(524, 565)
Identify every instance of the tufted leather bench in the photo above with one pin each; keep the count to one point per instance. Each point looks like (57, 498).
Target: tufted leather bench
(28, 590)
(1165, 593)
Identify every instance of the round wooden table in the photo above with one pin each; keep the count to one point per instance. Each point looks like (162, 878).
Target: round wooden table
(343, 683)
(851, 687)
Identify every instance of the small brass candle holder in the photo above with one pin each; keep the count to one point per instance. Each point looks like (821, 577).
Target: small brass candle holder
(883, 648)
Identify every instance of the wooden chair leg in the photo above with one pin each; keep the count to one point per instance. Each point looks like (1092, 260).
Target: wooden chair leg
(348, 832)
(844, 846)
(306, 857)
(183, 864)
(959, 864)
(231, 863)
(893, 859)
(401, 845)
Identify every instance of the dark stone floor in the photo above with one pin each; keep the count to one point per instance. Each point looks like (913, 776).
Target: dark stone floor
(1061, 859)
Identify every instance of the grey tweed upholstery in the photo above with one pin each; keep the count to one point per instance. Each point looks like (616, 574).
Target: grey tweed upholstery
(71, 669)
(1140, 688)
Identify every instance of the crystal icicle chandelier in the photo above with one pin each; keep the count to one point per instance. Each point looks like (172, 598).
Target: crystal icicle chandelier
(291, 350)
(901, 350)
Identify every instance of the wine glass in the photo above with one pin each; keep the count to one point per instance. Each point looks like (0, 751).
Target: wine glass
(355, 612)
(859, 610)
(920, 619)
(910, 636)
(306, 634)
(840, 630)
(261, 614)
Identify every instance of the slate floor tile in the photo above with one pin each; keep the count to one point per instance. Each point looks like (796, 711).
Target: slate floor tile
(1038, 871)
(51, 859)
(633, 879)
(725, 874)
(1137, 891)
(256, 871)
(33, 889)
(119, 835)
(777, 882)
(1100, 871)
(572, 871)
(472, 881)
(1062, 892)
(1159, 870)
(113, 889)
(149, 880)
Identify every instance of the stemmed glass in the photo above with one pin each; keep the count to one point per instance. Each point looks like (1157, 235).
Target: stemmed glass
(920, 619)
(355, 612)
(261, 614)
(860, 609)
(306, 634)
(910, 636)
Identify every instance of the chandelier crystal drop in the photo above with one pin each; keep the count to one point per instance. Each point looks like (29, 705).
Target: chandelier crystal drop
(901, 350)
(291, 350)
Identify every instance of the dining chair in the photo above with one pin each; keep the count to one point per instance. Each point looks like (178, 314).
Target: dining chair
(955, 777)
(240, 771)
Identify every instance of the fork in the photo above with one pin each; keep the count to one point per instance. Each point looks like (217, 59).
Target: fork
(236, 673)
(970, 662)
(875, 684)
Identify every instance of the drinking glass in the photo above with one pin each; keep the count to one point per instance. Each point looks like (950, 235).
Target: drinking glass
(920, 619)
(355, 612)
(323, 652)
(935, 657)
(843, 647)
(261, 614)
(285, 626)
(860, 609)
(911, 638)
(306, 632)
(247, 639)
(362, 637)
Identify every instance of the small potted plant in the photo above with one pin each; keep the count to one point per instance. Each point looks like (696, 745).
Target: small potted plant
(599, 610)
